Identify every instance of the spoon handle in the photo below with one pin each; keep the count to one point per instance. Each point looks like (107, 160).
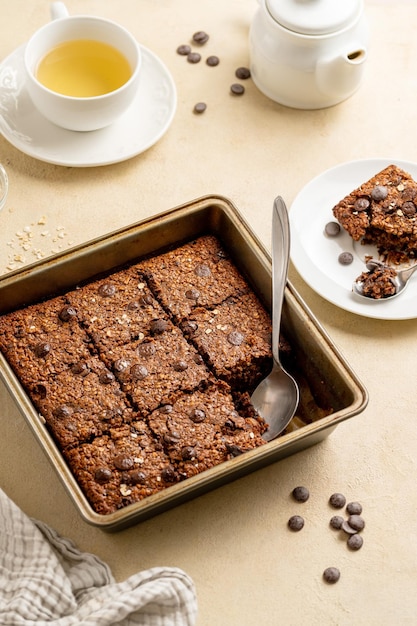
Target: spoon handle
(280, 259)
(407, 273)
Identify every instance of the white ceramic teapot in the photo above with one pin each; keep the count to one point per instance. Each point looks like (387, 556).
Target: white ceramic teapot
(308, 54)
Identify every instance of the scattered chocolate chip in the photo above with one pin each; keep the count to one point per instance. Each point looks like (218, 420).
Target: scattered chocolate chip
(355, 542)
(301, 494)
(337, 500)
(138, 372)
(192, 294)
(345, 258)
(102, 475)
(67, 313)
(332, 229)
(168, 474)
(184, 50)
(107, 290)
(42, 349)
(123, 462)
(193, 57)
(296, 522)
(200, 107)
(237, 89)
(354, 508)
(200, 37)
(356, 522)
(362, 204)
(243, 73)
(212, 60)
(202, 270)
(158, 327)
(379, 193)
(235, 338)
(347, 528)
(331, 575)
(197, 416)
(336, 521)
(106, 377)
(180, 366)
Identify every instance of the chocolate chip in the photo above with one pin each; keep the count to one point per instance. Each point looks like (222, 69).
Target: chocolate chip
(331, 575)
(171, 438)
(42, 349)
(356, 522)
(67, 313)
(121, 365)
(192, 294)
(200, 37)
(193, 57)
(355, 542)
(202, 270)
(123, 462)
(102, 475)
(180, 366)
(212, 60)
(106, 377)
(409, 209)
(243, 73)
(158, 327)
(146, 300)
(354, 508)
(135, 477)
(166, 408)
(189, 327)
(197, 416)
(63, 412)
(362, 204)
(296, 522)
(379, 193)
(184, 49)
(133, 306)
(146, 349)
(345, 258)
(237, 89)
(235, 338)
(332, 229)
(198, 359)
(347, 528)
(138, 372)
(188, 453)
(107, 290)
(336, 521)
(168, 474)
(337, 500)
(80, 369)
(200, 107)
(40, 391)
(301, 494)
(233, 449)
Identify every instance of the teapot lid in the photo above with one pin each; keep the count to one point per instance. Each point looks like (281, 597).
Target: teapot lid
(314, 17)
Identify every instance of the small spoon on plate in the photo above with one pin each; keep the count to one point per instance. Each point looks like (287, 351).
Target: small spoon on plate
(276, 397)
(399, 280)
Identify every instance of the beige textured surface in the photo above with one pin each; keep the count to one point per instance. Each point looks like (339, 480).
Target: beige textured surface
(248, 568)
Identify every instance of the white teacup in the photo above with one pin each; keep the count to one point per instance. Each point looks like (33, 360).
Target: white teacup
(60, 100)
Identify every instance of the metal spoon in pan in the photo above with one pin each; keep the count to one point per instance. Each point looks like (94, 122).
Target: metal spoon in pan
(399, 281)
(276, 397)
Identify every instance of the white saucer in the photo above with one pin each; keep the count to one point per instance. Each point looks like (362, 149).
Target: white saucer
(315, 256)
(141, 126)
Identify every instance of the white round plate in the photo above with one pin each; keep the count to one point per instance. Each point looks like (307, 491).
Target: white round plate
(141, 126)
(315, 256)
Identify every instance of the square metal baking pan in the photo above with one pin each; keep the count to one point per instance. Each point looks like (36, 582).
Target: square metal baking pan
(320, 363)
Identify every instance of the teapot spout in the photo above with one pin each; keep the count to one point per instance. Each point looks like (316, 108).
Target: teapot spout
(341, 75)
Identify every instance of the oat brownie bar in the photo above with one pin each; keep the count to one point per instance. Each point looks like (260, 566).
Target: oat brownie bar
(81, 402)
(43, 340)
(152, 369)
(116, 309)
(382, 212)
(121, 468)
(202, 429)
(235, 339)
(199, 273)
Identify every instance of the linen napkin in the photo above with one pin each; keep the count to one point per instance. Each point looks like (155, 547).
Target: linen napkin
(45, 579)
